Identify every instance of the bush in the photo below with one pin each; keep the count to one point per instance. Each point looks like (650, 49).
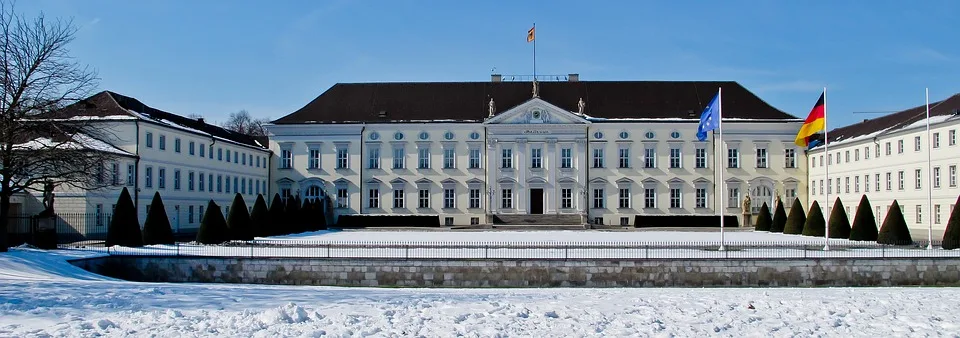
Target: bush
(278, 223)
(213, 228)
(238, 221)
(156, 230)
(839, 223)
(124, 229)
(894, 230)
(864, 222)
(796, 219)
(292, 216)
(815, 225)
(779, 218)
(951, 236)
(260, 218)
(763, 219)
(319, 217)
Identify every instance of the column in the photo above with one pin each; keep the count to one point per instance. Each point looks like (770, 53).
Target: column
(521, 168)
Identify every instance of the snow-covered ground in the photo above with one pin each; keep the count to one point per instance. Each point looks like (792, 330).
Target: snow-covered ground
(42, 295)
(566, 236)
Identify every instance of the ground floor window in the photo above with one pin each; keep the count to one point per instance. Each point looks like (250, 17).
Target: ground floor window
(474, 198)
(424, 198)
(506, 198)
(566, 198)
(373, 198)
(474, 220)
(448, 221)
(624, 221)
(342, 198)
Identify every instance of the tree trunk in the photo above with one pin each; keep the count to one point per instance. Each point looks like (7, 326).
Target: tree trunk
(4, 215)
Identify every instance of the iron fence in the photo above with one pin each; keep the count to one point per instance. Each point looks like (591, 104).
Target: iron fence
(535, 250)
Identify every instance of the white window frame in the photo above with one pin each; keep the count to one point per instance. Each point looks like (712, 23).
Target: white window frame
(701, 158)
(676, 158)
(566, 157)
(475, 158)
(536, 158)
(649, 157)
(449, 158)
(762, 158)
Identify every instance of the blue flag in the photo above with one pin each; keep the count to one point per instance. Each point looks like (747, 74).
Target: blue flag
(709, 119)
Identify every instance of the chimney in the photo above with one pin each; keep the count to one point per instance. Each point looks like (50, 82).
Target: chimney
(573, 77)
(200, 120)
(383, 114)
(496, 78)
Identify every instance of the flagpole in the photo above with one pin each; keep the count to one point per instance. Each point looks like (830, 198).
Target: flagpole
(826, 168)
(929, 176)
(720, 168)
(534, 52)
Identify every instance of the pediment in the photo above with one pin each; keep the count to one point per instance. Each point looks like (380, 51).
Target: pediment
(536, 111)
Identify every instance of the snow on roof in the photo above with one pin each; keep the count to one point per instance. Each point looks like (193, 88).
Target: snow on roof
(188, 129)
(77, 142)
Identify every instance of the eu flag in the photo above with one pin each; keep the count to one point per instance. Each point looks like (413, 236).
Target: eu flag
(709, 119)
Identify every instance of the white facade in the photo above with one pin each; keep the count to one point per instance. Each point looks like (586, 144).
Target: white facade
(536, 158)
(892, 165)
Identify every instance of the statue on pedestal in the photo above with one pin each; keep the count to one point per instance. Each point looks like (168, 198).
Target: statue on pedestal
(581, 106)
(536, 89)
(492, 108)
(48, 197)
(747, 215)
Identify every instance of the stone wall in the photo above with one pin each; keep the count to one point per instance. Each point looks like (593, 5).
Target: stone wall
(531, 273)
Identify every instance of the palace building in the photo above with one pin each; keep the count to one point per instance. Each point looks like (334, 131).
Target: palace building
(550, 152)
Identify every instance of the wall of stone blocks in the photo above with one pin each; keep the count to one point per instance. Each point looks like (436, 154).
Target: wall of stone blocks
(532, 273)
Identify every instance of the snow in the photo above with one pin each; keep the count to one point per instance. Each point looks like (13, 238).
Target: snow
(48, 297)
(79, 141)
(185, 128)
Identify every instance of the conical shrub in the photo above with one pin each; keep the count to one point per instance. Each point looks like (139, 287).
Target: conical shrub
(815, 225)
(238, 221)
(796, 219)
(124, 229)
(291, 213)
(779, 218)
(213, 228)
(951, 236)
(320, 216)
(260, 217)
(839, 224)
(278, 222)
(894, 230)
(763, 219)
(864, 222)
(156, 230)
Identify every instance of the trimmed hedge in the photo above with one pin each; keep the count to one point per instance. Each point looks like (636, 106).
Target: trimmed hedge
(864, 222)
(238, 221)
(815, 225)
(292, 216)
(894, 230)
(124, 229)
(951, 236)
(213, 228)
(260, 217)
(278, 220)
(156, 229)
(839, 223)
(763, 219)
(796, 219)
(779, 218)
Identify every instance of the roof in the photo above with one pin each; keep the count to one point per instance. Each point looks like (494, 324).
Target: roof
(468, 101)
(916, 116)
(62, 137)
(110, 105)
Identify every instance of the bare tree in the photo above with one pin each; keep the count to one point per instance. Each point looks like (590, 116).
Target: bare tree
(39, 144)
(243, 123)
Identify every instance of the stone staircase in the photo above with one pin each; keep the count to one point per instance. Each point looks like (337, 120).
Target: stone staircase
(545, 222)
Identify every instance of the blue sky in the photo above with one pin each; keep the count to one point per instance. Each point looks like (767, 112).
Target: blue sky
(271, 58)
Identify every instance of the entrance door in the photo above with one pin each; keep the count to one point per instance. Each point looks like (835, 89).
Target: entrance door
(536, 201)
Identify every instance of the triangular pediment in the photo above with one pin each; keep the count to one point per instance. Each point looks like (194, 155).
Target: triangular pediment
(536, 111)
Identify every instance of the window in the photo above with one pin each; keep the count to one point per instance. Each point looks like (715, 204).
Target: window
(203, 150)
(676, 196)
(733, 158)
(99, 215)
(598, 158)
(343, 200)
(191, 151)
(813, 162)
(243, 187)
(397, 198)
(373, 198)
(762, 157)
(450, 158)
(566, 198)
(877, 150)
(243, 159)
(286, 159)
(846, 156)
(888, 149)
(790, 158)
(235, 185)
(313, 162)
(791, 195)
(176, 145)
(866, 183)
(650, 158)
(899, 146)
(228, 155)
(163, 142)
(649, 198)
(953, 176)
(936, 214)
(701, 158)
(566, 158)
(701, 198)
(624, 157)
(226, 185)
(474, 198)
(131, 174)
(856, 154)
(846, 185)
(506, 198)
(916, 176)
(936, 140)
(162, 178)
(900, 176)
(99, 174)
(598, 198)
(813, 187)
(919, 214)
(176, 179)
(342, 158)
(423, 200)
(733, 197)
(219, 183)
(866, 153)
(200, 211)
(190, 214)
(675, 159)
(200, 182)
(889, 183)
(373, 158)
(936, 177)
(506, 158)
(536, 158)
(952, 137)
(449, 198)
(210, 183)
(830, 186)
(624, 198)
(115, 173)
(856, 184)
(876, 178)
(475, 158)
(423, 158)
(916, 143)
(399, 156)
(149, 140)
(821, 187)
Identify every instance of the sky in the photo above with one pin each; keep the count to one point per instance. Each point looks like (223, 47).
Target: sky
(273, 57)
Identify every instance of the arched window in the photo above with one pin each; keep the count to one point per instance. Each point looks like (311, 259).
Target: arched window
(312, 192)
(759, 195)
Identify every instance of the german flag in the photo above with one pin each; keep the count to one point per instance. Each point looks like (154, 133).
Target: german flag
(531, 34)
(814, 123)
